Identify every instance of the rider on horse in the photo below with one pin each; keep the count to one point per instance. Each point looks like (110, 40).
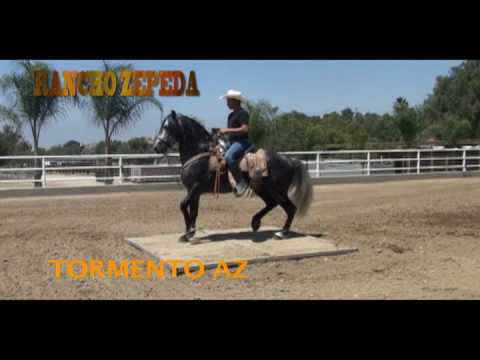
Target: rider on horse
(237, 132)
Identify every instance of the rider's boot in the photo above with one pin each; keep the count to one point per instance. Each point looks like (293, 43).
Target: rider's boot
(242, 185)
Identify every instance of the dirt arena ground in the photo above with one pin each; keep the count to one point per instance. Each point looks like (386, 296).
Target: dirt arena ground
(417, 239)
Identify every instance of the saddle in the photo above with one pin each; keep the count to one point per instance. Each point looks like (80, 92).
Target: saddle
(253, 162)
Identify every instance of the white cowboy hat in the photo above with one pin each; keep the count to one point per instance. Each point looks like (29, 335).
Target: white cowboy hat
(233, 94)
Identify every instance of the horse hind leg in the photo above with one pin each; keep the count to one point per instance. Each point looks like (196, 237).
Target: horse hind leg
(290, 209)
(270, 204)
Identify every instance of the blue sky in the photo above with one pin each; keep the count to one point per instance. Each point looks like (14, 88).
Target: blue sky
(314, 87)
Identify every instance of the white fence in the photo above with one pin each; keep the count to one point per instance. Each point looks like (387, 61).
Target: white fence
(93, 170)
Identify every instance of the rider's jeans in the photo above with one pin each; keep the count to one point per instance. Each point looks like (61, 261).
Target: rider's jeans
(236, 150)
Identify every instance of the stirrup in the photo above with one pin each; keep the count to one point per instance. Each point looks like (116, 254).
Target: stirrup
(244, 190)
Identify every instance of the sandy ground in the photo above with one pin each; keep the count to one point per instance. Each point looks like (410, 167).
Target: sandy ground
(417, 240)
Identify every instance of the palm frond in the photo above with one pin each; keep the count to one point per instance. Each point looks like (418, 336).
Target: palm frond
(117, 112)
(9, 115)
(25, 108)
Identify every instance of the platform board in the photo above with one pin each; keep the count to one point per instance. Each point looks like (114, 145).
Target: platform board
(232, 244)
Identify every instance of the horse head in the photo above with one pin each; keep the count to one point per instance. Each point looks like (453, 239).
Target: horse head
(180, 129)
(167, 136)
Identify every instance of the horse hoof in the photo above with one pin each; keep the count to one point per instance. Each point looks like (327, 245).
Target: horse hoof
(187, 236)
(183, 238)
(255, 225)
(280, 235)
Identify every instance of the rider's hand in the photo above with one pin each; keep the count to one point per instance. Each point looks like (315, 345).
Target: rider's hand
(223, 131)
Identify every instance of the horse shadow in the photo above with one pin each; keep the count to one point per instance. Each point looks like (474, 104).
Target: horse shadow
(257, 237)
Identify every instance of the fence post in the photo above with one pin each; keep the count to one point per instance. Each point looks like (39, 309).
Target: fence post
(317, 164)
(368, 163)
(464, 161)
(120, 169)
(418, 162)
(44, 175)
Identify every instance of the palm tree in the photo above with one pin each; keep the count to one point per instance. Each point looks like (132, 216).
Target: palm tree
(407, 120)
(116, 113)
(25, 109)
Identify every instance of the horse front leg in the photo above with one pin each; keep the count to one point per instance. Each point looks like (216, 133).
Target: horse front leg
(194, 204)
(185, 207)
(186, 216)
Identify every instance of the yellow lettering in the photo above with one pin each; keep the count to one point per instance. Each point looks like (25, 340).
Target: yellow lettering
(41, 85)
(152, 267)
(136, 267)
(58, 267)
(110, 83)
(126, 89)
(201, 269)
(166, 83)
(96, 88)
(137, 83)
(242, 264)
(222, 267)
(70, 86)
(96, 268)
(152, 80)
(173, 264)
(113, 270)
(71, 271)
(192, 89)
(82, 81)
(56, 89)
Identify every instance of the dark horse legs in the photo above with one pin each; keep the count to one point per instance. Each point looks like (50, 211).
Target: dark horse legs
(273, 198)
(189, 208)
(269, 205)
(283, 200)
(194, 202)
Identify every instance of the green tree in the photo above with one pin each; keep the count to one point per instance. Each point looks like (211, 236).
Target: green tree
(458, 95)
(116, 147)
(115, 113)
(456, 130)
(139, 145)
(12, 142)
(407, 121)
(72, 147)
(347, 114)
(25, 109)
(451, 130)
(56, 150)
(384, 130)
(262, 114)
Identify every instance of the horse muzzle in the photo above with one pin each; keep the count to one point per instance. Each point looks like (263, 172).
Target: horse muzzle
(161, 146)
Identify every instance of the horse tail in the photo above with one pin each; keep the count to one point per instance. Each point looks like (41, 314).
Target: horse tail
(301, 189)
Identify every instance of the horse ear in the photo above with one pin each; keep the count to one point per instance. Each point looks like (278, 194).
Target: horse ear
(174, 114)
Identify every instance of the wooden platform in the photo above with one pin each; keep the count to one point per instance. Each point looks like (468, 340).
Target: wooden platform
(232, 244)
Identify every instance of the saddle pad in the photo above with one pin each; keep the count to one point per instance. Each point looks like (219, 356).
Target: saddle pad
(255, 164)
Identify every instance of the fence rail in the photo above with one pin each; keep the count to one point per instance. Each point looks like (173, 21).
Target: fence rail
(118, 169)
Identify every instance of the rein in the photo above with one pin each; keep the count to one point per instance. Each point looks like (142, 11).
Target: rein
(195, 158)
(218, 172)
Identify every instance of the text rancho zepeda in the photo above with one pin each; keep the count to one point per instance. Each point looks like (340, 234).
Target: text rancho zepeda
(108, 83)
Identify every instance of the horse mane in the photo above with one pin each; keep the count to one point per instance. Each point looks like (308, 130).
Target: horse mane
(193, 128)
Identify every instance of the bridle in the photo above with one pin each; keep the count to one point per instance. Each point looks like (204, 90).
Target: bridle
(166, 142)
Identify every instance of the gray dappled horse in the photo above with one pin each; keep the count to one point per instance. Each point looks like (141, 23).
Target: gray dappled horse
(285, 175)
